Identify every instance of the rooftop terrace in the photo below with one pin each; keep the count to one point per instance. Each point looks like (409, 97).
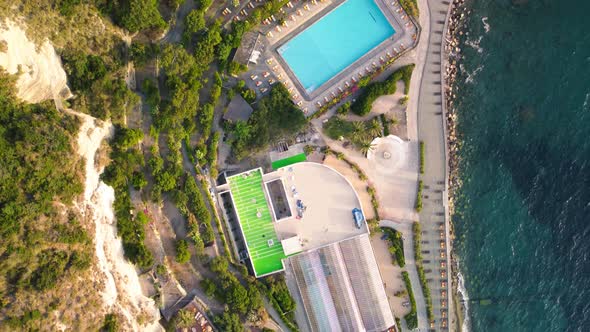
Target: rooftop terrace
(265, 249)
(328, 200)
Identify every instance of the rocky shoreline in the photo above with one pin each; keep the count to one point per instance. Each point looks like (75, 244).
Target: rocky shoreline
(455, 30)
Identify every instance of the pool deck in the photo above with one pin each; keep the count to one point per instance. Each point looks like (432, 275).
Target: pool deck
(404, 39)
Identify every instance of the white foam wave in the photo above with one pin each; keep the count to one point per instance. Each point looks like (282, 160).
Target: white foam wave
(486, 25)
(464, 299)
(471, 76)
(474, 43)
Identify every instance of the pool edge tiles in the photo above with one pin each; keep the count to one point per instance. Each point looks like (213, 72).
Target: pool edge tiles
(254, 218)
(326, 40)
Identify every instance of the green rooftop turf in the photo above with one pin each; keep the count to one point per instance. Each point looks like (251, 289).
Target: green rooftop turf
(288, 161)
(249, 200)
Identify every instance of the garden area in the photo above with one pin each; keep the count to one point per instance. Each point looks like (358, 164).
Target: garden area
(359, 133)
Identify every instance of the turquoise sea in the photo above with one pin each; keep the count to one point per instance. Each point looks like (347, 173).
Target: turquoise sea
(523, 214)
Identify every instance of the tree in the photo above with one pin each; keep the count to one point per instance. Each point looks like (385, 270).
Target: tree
(182, 253)
(375, 128)
(141, 15)
(229, 322)
(194, 22)
(184, 319)
(208, 286)
(365, 147)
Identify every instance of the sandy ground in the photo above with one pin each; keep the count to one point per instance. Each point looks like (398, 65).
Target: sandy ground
(122, 292)
(360, 186)
(41, 74)
(391, 275)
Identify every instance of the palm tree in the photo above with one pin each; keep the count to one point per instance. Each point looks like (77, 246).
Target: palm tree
(375, 128)
(358, 127)
(366, 146)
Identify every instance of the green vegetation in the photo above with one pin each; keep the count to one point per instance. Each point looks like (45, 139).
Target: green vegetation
(418, 205)
(360, 133)
(385, 124)
(404, 100)
(421, 157)
(98, 85)
(396, 245)
(134, 15)
(280, 298)
(411, 7)
(140, 53)
(44, 241)
(343, 109)
(126, 160)
(362, 105)
(182, 253)
(111, 323)
(229, 322)
(274, 117)
(241, 300)
(421, 274)
(412, 317)
(212, 154)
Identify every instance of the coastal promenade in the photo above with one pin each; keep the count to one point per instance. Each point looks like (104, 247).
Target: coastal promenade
(434, 217)
(405, 227)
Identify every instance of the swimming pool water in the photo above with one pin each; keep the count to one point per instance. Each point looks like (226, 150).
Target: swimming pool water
(335, 41)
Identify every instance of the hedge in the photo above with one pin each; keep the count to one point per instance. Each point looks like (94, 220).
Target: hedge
(421, 274)
(396, 245)
(412, 317)
(418, 205)
(421, 157)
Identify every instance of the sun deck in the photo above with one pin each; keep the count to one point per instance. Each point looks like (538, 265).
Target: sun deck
(328, 199)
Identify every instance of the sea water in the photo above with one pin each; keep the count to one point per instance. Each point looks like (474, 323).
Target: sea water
(523, 214)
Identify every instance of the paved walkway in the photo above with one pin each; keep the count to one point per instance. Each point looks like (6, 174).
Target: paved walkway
(405, 227)
(433, 217)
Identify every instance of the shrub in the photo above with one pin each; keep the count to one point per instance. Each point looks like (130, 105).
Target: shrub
(410, 6)
(421, 157)
(182, 253)
(418, 205)
(412, 317)
(364, 102)
(209, 287)
(404, 100)
(421, 274)
(385, 124)
(161, 270)
(396, 245)
(343, 109)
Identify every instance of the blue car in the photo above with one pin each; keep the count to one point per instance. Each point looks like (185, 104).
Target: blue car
(358, 217)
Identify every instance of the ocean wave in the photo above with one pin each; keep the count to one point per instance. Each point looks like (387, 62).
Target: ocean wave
(464, 299)
(471, 76)
(486, 25)
(474, 43)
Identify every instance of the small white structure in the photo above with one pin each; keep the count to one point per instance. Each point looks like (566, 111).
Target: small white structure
(292, 245)
(389, 153)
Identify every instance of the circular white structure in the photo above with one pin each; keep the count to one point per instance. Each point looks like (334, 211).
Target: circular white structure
(388, 153)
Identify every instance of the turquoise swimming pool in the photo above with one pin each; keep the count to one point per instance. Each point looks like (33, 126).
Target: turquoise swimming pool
(335, 41)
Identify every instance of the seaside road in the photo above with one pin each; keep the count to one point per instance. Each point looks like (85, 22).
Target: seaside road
(431, 130)
(405, 227)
